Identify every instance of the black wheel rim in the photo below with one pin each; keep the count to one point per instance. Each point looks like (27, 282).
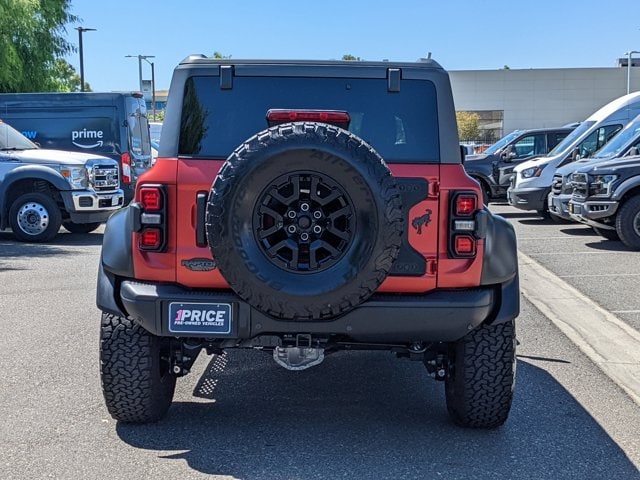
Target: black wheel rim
(304, 222)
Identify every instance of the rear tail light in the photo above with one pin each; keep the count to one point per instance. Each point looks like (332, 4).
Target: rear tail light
(126, 168)
(466, 204)
(151, 217)
(464, 246)
(150, 238)
(463, 233)
(151, 199)
(335, 117)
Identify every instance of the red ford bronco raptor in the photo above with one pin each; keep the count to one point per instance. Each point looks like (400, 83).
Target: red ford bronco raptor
(302, 208)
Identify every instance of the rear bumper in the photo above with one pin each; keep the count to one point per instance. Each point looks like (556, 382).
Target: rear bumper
(441, 316)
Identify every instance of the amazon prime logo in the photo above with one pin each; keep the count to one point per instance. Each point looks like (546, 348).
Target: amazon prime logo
(86, 136)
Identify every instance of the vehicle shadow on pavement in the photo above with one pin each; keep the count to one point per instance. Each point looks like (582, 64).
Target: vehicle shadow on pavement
(581, 231)
(9, 243)
(368, 415)
(537, 221)
(609, 246)
(519, 214)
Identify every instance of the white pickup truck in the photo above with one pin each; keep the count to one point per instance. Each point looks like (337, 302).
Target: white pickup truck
(40, 190)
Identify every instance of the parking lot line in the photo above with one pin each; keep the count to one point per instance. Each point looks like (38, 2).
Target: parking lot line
(585, 252)
(609, 342)
(558, 237)
(601, 275)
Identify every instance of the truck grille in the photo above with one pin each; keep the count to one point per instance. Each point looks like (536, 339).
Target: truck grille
(580, 184)
(104, 178)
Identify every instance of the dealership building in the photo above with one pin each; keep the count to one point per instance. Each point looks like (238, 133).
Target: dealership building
(510, 99)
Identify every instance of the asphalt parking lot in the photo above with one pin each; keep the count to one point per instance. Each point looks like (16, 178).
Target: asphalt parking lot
(604, 270)
(358, 415)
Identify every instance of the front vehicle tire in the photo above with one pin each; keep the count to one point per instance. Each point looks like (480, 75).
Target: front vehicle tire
(628, 223)
(35, 217)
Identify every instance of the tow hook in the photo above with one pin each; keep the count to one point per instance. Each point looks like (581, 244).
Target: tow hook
(437, 367)
(300, 357)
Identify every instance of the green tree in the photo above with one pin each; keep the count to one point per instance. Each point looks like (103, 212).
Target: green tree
(351, 58)
(66, 79)
(31, 40)
(220, 56)
(468, 125)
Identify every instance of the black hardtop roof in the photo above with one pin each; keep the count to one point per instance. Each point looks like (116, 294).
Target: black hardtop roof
(70, 98)
(199, 59)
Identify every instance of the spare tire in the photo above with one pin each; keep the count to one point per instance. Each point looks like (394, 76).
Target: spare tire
(304, 221)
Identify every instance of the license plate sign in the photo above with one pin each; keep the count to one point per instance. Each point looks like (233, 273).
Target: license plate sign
(211, 318)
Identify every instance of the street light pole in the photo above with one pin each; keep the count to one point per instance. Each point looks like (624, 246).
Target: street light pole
(140, 58)
(628, 54)
(80, 51)
(153, 90)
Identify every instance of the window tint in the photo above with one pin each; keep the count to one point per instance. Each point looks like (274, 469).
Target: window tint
(401, 126)
(597, 139)
(620, 144)
(501, 143)
(11, 139)
(565, 145)
(530, 145)
(555, 138)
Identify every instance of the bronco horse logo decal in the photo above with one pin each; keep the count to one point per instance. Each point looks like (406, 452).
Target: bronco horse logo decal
(422, 221)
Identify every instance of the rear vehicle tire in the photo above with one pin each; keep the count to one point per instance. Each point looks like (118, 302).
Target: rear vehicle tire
(81, 227)
(608, 234)
(34, 217)
(628, 223)
(304, 221)
(481, 379)
(486, 192)
(136, 379)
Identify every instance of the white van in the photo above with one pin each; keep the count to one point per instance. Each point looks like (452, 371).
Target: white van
(532, 179)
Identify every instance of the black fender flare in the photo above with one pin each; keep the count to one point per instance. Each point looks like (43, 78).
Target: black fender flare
(117, 256)
(625, 186)
(116, 261)
(500, 251)
(27, 172)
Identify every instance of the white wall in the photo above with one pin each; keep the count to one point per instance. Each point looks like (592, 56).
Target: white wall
(541, 97)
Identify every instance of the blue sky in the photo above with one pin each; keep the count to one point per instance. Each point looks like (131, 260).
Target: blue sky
(462, 35)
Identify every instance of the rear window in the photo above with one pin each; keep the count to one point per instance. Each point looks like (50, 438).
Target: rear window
(401, 126)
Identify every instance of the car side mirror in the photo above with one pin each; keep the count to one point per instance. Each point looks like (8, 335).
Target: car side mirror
(508, 153)
(575, 155)
(633, 151)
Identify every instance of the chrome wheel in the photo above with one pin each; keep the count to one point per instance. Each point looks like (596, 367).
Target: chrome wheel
(33, 218)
